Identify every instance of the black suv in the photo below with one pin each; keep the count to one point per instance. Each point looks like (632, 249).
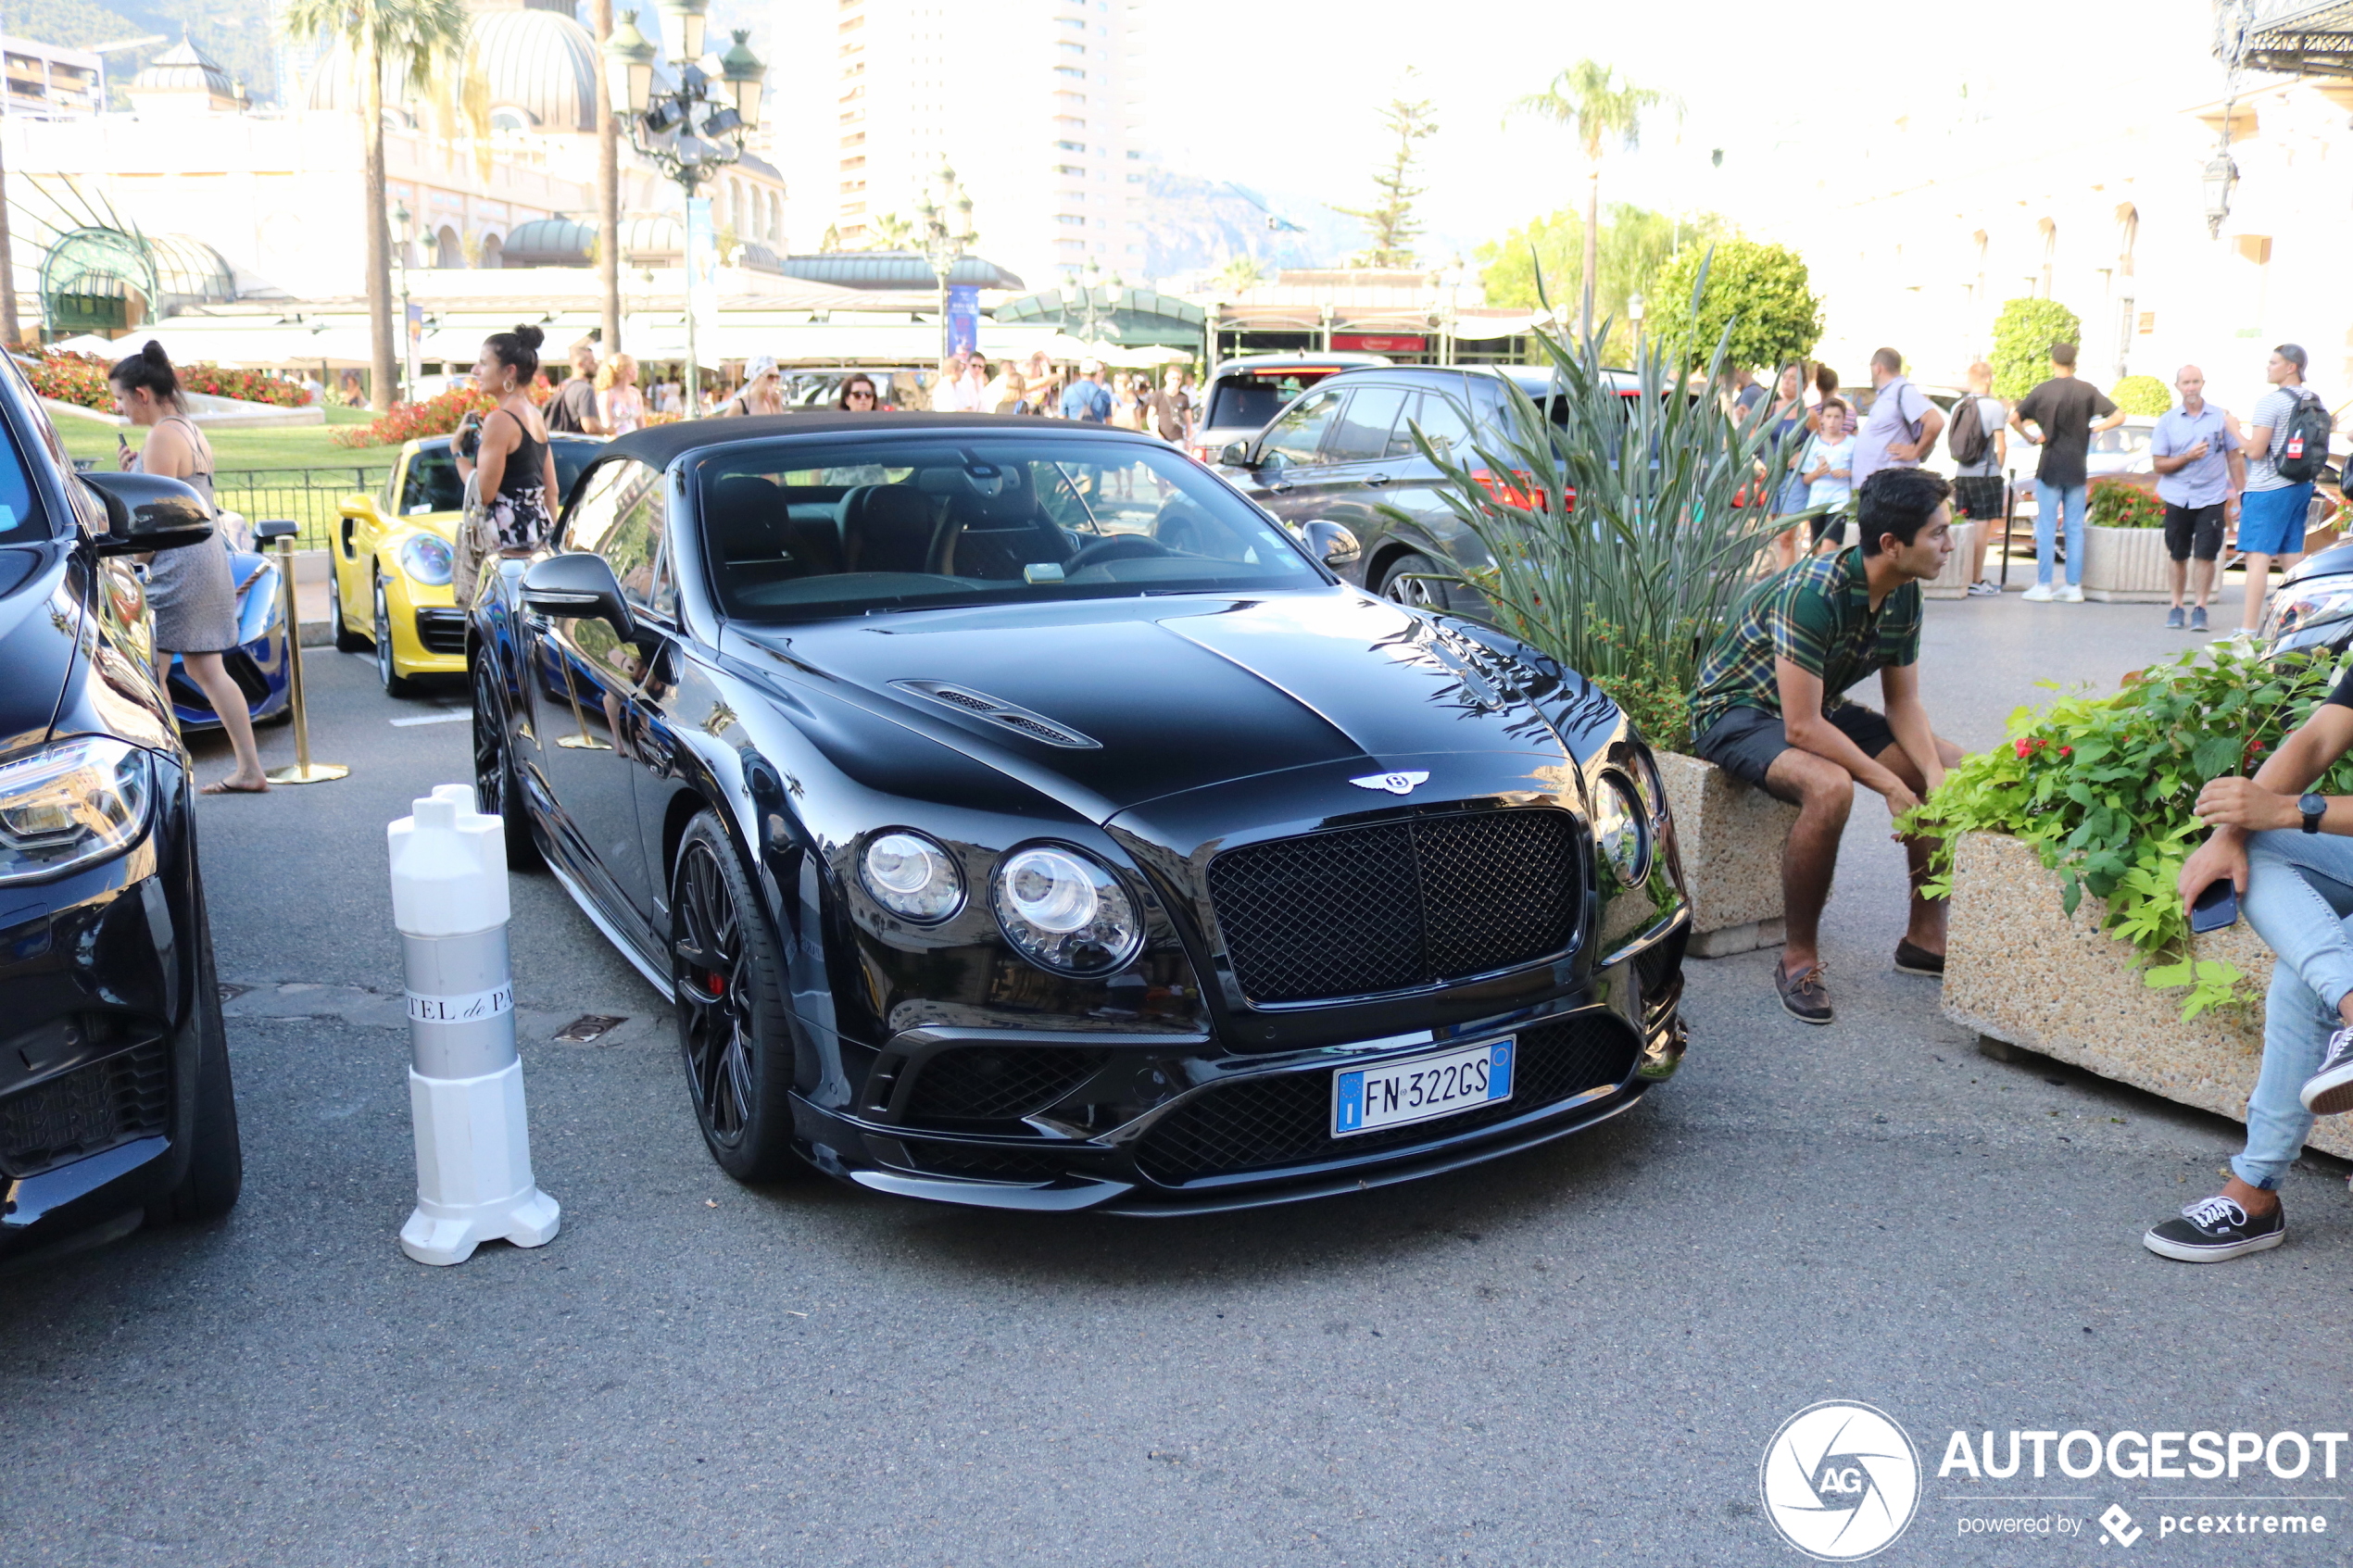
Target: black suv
(114, 1100)
(1343, 453)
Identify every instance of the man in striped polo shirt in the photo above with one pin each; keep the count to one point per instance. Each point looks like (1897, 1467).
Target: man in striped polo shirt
(1772, 709)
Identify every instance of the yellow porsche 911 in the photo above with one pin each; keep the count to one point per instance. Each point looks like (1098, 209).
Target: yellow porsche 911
(391, 559)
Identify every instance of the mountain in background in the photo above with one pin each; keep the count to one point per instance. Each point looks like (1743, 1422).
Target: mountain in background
(236, 33)
(1197, 224)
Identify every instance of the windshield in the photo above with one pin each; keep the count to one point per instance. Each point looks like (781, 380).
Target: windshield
(432, 483)
(801, 529)
(1253, 399)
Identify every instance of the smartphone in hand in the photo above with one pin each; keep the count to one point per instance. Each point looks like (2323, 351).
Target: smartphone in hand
(2216, 908)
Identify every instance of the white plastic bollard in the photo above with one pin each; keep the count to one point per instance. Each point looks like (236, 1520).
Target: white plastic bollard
(465, 1083)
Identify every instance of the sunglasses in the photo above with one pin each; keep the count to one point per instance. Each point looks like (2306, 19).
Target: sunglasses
(856, 392)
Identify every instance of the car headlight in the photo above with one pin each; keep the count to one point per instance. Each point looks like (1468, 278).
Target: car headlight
(2310, 604)
(1652, 789)
(912, 876)
(1067, 912)
(79, 801)
(1621, 829)
(427, 559)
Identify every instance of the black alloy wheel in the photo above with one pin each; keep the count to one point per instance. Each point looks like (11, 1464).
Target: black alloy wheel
(497, 790)
(388, 674)
(725, 963)
(346, 640)
(1406, 583)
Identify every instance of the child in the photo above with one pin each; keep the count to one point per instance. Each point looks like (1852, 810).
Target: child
(1828, 468)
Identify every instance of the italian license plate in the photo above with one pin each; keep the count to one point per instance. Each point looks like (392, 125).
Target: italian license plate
(1420, 1088)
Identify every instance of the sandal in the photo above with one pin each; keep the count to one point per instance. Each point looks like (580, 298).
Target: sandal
(222, 787)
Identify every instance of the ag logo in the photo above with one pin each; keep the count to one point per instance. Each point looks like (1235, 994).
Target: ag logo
(1840, 1481)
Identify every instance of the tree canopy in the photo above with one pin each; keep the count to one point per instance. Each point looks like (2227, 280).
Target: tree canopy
(1760, 291)
(2023, 333)
(1634, 245)
(1390, 225)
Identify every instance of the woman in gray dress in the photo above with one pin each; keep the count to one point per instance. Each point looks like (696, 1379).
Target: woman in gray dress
(190, 591)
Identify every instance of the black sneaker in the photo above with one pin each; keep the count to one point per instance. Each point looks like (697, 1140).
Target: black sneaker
(1807, 1000)
(2329, 1091)
(2213, 1230)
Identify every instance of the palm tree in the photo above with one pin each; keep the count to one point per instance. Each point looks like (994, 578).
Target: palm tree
(608, 187)
(1602, 108)
(1240, 273)
(412, 39)
(889, 230)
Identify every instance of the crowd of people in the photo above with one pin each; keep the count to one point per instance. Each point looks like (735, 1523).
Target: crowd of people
(1090, 393)
(2213, 471)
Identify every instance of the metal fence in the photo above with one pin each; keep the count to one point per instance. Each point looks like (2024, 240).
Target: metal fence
(313, 497)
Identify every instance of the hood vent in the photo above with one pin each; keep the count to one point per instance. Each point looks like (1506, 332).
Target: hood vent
(995, 710)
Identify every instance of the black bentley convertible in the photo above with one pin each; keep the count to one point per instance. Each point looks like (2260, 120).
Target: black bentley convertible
(1020, 817)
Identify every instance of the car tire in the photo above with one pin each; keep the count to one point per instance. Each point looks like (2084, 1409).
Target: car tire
(216, 1159)
(497, 790)
(733, 1034)
(388, 673)
(346, 640)
(1400, 584)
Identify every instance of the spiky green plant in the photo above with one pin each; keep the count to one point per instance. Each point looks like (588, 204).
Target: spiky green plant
(1614, 540)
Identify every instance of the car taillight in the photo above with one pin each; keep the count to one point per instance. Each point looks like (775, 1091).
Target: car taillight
(1514, 491)
(1199, 455)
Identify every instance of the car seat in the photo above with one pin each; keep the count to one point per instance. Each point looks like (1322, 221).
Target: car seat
(889, 527)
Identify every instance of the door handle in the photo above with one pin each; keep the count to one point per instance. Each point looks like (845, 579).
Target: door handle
(1281, 487)
(1377, 479)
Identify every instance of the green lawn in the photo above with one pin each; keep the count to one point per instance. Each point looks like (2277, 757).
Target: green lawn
(303, 446)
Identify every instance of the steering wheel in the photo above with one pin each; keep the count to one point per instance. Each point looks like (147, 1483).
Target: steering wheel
(1120, 547)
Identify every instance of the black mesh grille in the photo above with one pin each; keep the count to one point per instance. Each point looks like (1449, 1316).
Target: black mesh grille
(442, 630)
(989, 1164)
(126, 1096)
(1267, 1122)
(1657, 967)
(1383, 909)
(998, 1082)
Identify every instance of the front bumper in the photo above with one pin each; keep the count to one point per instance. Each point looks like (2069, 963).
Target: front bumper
(98, 973)
(1131, 1123)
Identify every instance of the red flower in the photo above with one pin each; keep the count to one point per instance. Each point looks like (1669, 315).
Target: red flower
(2066, 751)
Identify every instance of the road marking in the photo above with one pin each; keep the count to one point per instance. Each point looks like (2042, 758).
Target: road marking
(433, 719)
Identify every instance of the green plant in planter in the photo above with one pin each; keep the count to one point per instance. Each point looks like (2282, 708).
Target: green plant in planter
(2141, 395)
(2102, 786)
(2116, 504)
(1620, 531)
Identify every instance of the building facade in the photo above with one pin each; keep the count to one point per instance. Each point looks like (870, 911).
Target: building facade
(1037, 106)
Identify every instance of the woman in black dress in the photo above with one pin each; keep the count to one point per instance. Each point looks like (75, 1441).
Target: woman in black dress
(516, 470)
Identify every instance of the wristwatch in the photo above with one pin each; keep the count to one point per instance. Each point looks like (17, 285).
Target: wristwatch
(2314, 808)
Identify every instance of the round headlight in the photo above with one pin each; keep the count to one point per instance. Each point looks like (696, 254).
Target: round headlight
(1651, 787)
(1065, 912)
(426, 558)
(912, 876)
(1621, 829)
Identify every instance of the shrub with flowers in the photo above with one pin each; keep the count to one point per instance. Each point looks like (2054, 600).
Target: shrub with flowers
(406, 422)
(2116, 504)
(81, 378)
(2102, 787)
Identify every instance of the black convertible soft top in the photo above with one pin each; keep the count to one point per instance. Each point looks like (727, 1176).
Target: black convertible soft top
(661, 445)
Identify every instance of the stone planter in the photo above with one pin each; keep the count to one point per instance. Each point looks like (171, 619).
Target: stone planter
(1729, 838)
(1953, 582)
(2127, 566)
(2022, 973)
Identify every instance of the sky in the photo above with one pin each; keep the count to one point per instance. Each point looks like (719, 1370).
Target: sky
(1778, 88)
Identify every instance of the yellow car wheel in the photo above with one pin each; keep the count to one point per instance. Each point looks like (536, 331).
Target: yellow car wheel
(387, 672)
(346, 640)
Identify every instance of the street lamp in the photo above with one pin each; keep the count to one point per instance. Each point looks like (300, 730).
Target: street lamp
(944, 229)
(1078, 294)
(2221, 175)
(690, 125)
(1635, 305)
(400, 219)
(1451, 282)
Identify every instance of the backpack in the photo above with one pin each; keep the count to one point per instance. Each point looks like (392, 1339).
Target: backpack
(1970, 437)
(2305, 450)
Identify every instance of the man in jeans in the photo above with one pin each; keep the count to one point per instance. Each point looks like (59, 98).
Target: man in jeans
(2199, 474)
(1902, 425)
(2062, 411)
(2272, 510)
(1772, 709)
(2291, 854)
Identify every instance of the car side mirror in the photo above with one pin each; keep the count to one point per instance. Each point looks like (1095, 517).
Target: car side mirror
(147, 511)
(578, 585)
(1236, 455)
(1331, 544)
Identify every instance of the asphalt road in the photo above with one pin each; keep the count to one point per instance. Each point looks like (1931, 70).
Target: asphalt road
(1577, 1355)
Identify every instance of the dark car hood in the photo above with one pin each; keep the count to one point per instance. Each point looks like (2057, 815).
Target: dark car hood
(1185, 692)
(38, 621)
